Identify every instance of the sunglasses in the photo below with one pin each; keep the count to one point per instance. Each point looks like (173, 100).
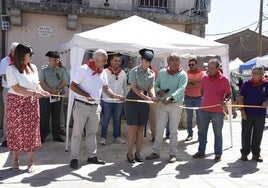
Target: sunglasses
(190, 65)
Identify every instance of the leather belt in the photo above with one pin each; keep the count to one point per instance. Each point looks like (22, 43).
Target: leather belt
(85, 103)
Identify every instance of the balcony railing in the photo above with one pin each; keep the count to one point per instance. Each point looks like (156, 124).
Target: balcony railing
(153, 3)
(77, 2)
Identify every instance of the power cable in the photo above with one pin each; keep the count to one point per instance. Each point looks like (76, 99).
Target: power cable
(231, 32)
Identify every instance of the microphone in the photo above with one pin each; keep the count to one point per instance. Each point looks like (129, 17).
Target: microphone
(166, 90)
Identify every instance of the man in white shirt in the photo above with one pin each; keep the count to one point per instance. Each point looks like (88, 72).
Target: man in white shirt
(117, 81)
(88, 83)
(5, 62)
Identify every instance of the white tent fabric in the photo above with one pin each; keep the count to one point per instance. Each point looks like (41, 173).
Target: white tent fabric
(262, 60)
(131, 34)
(234, 65)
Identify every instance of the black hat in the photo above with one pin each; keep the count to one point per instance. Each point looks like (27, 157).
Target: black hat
(53, 54)
(147, 54)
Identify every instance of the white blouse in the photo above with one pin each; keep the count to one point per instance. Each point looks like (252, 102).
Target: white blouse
(28, 81)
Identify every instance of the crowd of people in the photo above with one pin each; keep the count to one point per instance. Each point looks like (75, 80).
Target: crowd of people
(32, 104)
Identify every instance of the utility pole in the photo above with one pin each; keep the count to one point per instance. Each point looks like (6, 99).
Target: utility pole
(260, 30)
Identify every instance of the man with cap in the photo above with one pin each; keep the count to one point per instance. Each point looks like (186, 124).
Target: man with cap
(52, 79)
(141, 79)
(5, 62)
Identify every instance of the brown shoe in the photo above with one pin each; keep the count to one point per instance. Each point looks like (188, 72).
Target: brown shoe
(257, 158)
(244, 157)
(217, 158)
(199, 155)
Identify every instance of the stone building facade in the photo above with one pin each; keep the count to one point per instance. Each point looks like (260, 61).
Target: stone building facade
(49, 24)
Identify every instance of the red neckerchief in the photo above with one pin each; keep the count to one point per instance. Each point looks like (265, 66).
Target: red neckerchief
(60, 64)
(172, 72)
(91, 65)
(115, 72)
(26, 68)
(216, 76)
(259, 83)
(11, 59)
(194, 71)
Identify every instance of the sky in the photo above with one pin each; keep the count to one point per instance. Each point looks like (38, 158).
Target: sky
(232, 16)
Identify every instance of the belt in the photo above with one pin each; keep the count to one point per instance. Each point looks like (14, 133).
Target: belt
(85, 103)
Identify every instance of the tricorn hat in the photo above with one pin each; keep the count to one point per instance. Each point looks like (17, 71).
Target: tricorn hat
(53, 54)
(147, 54)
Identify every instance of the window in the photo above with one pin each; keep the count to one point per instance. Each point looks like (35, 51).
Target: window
(153, 3)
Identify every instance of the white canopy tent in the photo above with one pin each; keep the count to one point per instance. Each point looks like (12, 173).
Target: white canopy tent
(129, 35)
(263, 60)
(234, 65)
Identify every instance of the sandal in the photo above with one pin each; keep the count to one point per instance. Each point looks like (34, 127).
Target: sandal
(16, 165)
(30, 167)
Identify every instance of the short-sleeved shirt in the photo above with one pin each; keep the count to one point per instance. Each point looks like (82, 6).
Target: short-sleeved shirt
(117, 83)
(194, 91)
(143, 79)
(29, 81)
(92, 84)
(254, 95)
(3, 67)
(214, 90)
(52, 77)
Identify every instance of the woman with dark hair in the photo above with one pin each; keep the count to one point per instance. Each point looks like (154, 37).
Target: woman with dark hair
(141, 79)
(23, 117)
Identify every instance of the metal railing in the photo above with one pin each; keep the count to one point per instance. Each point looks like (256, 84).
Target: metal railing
(153, 3)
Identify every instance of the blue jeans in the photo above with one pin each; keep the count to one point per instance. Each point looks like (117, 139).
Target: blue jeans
(109, 109)
(217, 124)
(192, 102)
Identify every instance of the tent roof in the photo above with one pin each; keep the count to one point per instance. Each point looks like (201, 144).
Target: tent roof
(133, 33)
(234, 65)
(263, 60)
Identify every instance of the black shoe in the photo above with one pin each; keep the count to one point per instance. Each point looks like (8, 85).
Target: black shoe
(189, 138)
(140, 160)
(74, 164)
(130, 160)
(62, 132)
(59, 139)
(244, 157)
(4, 143)
(95, 160)
(257, 158)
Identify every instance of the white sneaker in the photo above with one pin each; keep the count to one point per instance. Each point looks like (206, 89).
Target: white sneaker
(103, 141)
(119, 140)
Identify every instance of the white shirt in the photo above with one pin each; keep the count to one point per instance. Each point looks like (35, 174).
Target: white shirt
(3, 67)
(29, 81)
(89, 83)
(117, 85)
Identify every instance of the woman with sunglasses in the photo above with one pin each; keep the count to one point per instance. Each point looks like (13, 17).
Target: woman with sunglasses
(23, 133)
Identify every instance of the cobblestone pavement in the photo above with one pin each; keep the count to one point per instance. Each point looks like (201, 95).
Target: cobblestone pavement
(52, 165)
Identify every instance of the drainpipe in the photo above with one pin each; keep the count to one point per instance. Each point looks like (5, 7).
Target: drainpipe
(3, 31)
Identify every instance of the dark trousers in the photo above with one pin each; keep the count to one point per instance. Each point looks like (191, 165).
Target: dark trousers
(252, 131)
(48, 109)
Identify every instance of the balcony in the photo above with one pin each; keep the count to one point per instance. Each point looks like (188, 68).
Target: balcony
(156, 10)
